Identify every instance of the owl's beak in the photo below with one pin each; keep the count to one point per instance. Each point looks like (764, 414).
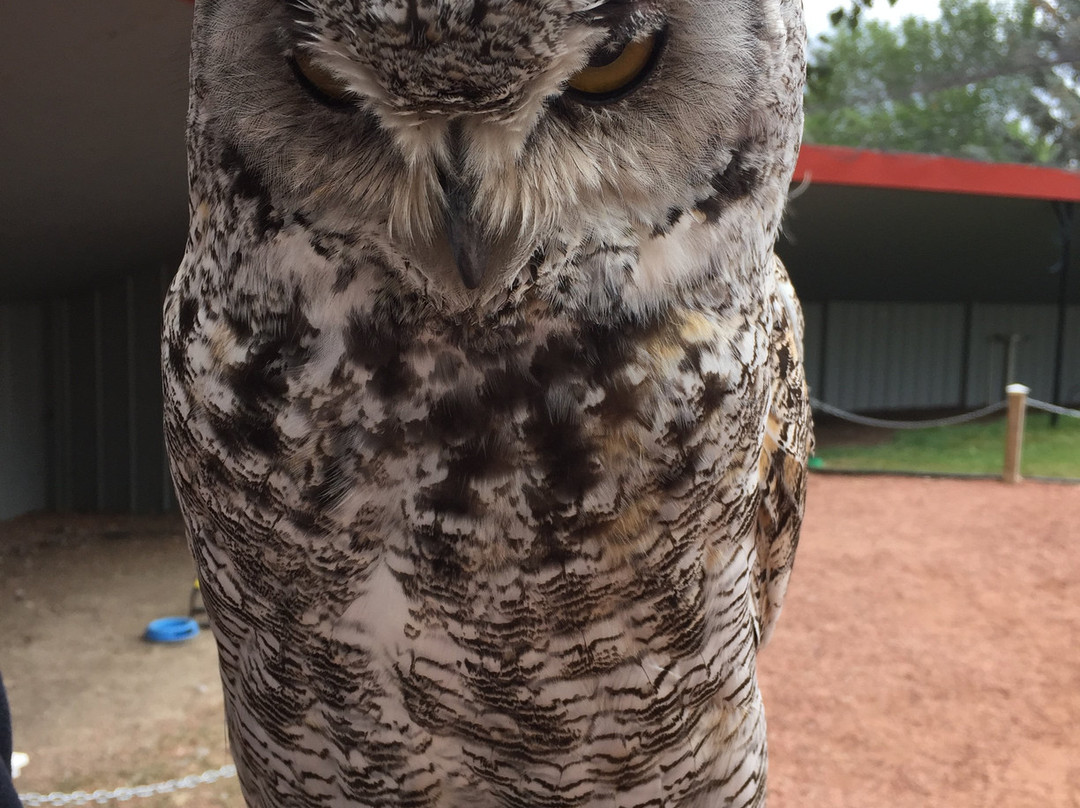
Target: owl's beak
(468, 245)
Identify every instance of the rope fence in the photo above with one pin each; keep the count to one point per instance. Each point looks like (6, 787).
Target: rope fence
(1053, 409)
(865, 420)
(1016, 403)
(930, 423)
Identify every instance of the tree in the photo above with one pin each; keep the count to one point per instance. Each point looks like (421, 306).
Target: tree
(984, 81)
(853, 12)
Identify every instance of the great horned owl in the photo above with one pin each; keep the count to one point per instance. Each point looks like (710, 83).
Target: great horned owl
(484, 394)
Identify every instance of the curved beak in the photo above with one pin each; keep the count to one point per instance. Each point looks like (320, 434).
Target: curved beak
(468, 245)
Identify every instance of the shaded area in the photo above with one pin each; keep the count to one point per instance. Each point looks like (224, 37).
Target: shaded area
(93, 155)
(873, 244)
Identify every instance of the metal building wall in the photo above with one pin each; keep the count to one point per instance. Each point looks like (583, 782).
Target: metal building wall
(1034, 329)
(893, 355)
(107, 446)
(813, 342)
(23, 429)
(866, 356)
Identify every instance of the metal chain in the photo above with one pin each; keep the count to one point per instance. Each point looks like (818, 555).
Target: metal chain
(101, 796)
(864, 420)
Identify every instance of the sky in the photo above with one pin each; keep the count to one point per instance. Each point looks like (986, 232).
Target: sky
(817, 11)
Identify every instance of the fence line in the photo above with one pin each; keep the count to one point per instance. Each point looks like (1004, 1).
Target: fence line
(952, 420)
(865, 420)
(1053, 408)
(1016, 402)
(103, 796)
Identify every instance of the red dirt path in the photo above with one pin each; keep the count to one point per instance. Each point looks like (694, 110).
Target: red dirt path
(929, 649)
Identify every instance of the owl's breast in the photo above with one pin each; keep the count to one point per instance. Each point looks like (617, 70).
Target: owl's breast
(569, 440)
(559, 439)
(528, 558)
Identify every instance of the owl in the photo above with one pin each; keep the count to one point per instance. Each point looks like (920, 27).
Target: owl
(484, 394)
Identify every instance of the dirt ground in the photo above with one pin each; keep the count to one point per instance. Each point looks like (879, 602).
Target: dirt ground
(929, 652)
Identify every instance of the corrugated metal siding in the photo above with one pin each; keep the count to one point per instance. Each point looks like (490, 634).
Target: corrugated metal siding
(892, 355)
(104, 442)
(1034, 329)
(813, 346)
(1071, 376)
(23, 414)
(882, 356)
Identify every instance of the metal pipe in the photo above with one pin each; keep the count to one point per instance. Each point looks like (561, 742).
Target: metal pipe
(1063, 211)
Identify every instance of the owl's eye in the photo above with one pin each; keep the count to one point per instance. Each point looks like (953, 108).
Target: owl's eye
(320, 83)
(613, 72)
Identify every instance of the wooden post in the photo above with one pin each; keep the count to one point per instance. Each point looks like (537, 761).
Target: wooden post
(1014, 434)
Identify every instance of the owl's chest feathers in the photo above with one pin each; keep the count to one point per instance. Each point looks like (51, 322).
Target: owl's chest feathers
(541, 440)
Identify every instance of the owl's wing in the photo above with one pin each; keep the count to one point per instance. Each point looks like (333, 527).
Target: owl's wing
(786, 449)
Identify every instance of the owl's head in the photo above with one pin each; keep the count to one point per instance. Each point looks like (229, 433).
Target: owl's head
(607, 153)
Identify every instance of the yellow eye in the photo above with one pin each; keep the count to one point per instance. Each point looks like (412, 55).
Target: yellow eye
(317, 80)
(608, 76)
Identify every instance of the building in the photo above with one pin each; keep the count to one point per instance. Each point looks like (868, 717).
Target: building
(931, 282)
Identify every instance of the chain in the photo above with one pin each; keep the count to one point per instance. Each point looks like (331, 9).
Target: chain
(864, 420)
(101, 796)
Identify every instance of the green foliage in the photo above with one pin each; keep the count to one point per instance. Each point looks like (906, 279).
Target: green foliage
(850, 16)
(984, 81)
(977, 448)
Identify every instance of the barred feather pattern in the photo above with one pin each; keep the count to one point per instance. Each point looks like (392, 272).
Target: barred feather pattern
(508, 548)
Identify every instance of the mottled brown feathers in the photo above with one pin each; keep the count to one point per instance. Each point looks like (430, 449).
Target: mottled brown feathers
(517, 545)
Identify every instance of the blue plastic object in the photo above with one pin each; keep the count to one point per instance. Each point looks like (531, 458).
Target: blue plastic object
(171, 629)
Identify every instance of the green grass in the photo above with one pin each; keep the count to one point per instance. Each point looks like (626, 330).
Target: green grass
(976, 448)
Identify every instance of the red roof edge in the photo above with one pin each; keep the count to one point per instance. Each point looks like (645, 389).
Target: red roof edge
(841, 165)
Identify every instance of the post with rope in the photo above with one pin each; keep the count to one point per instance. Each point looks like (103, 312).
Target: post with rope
(1014, 434)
